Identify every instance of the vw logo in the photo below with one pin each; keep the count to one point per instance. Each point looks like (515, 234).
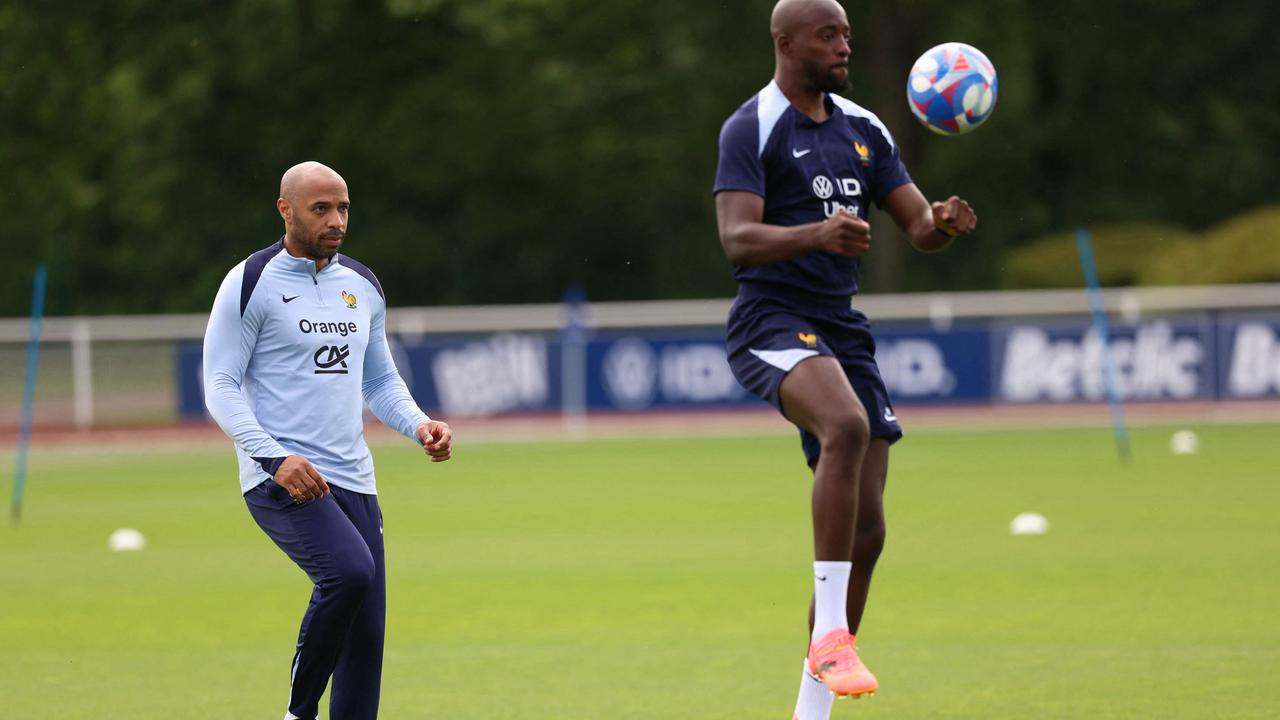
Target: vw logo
(822, 187)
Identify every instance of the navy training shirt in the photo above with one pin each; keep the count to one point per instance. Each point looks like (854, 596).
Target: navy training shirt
(806, 172)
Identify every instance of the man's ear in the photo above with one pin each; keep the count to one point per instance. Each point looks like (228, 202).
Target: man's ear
(784, 45)
(285, 211)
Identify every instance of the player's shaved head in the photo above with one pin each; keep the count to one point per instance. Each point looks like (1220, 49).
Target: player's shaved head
(305, 175)
(314, 205)
(810, 46)
(791, 15)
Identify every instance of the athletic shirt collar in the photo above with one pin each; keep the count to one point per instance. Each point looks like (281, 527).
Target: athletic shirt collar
(302, 265)
(833, 111)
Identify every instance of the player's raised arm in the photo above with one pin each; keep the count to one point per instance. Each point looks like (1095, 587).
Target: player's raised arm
(930, 227)
(747, 240)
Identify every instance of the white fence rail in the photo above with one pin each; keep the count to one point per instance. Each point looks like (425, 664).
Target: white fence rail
(1126, 302)
(119, 369)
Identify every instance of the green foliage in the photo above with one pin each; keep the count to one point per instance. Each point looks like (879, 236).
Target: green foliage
(500, 150)
(1123, 253)
(1241, 250)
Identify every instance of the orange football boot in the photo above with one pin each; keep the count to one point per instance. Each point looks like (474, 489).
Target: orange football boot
(833, 658)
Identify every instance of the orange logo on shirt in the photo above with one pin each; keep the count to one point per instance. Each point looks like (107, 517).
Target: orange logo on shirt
(864, 153)
(809, 339)
(349, 299)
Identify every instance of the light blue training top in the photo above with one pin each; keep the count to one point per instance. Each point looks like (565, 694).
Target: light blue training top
(289, 354)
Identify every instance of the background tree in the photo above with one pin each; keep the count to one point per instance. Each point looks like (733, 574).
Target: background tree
(500, 150)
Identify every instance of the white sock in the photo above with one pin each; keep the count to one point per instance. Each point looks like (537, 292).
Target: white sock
(830, 588)
(814, 702)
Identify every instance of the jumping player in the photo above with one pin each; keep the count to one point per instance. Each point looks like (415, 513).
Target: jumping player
(798, 166)
(295, 345)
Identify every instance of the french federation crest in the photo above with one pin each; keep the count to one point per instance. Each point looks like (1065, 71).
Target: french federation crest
(864, 153)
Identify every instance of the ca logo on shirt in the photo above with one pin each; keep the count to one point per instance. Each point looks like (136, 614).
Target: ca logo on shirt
(331, 359)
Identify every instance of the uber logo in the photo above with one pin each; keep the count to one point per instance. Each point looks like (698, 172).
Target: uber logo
(331, 360)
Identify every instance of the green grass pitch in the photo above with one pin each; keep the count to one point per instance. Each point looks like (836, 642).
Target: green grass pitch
(658, 578)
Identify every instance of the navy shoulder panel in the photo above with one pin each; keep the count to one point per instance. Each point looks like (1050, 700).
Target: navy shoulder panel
(253, 271)
(364, 272)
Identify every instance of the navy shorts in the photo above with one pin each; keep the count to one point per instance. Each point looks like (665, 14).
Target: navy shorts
(769, 334)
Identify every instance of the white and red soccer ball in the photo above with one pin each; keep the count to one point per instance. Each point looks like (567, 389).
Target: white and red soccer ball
(952, 88)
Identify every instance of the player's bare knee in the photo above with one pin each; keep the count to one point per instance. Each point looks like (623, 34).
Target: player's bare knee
(848, 433)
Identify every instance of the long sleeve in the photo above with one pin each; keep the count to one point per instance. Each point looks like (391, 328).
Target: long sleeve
(384, 390)
(229, 341)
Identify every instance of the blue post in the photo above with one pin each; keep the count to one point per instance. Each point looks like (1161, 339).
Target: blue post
(1093, 287)
(573, 362)
(29, 390)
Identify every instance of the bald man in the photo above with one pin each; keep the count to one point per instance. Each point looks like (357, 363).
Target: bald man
(798, 166)
(294, 347)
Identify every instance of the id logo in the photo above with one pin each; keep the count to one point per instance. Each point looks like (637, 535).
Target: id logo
(915, 368)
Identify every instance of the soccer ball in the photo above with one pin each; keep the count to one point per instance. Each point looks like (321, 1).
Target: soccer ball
(126, 540)
(952, 88)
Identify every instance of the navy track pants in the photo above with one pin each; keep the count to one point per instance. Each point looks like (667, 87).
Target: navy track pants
(337, 541)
